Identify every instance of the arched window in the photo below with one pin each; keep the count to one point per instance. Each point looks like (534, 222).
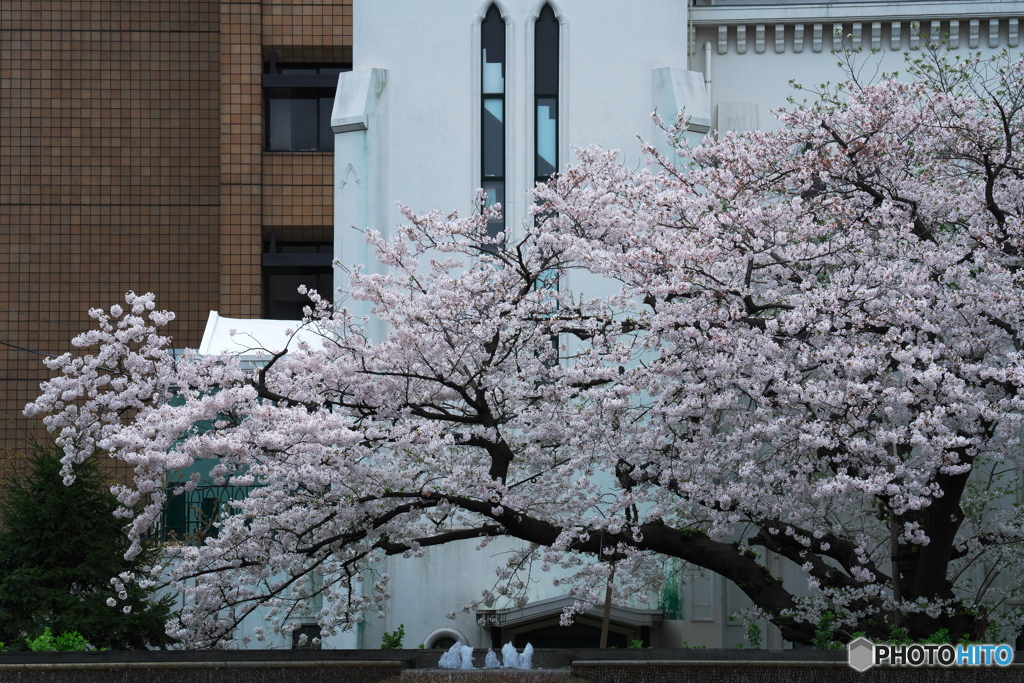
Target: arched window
(443, 639)
(545, 93)
(492, 112)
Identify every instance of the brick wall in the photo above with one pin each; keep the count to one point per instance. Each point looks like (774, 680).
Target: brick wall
(131, 157)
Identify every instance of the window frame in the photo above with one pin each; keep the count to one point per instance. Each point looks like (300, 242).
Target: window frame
(278, 261)
(538, 94)
(317, 86)
(497, 182)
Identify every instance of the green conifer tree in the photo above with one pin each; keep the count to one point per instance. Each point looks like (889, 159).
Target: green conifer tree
(59, 548)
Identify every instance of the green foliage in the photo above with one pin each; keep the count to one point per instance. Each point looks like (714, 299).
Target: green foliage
(824, 633)
(900, 636)
(755, 634)
(687, 646)
(59, 548)
(636, 645)
(69, 641)
(393, 639)
(940, 637)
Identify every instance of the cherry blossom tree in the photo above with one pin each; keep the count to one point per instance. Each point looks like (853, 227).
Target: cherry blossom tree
(808, 342)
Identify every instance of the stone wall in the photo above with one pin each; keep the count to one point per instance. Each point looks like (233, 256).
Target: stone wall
(413, 666)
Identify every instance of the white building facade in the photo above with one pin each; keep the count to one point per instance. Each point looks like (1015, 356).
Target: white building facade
(431, 112)
(445, 98)
(448, 97)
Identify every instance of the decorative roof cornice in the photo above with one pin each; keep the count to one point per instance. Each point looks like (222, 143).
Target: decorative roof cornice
(788, 13)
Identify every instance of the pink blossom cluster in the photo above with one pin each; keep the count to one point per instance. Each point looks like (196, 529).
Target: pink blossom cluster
(805, 342)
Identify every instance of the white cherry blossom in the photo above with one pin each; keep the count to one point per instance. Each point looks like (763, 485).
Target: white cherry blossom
(810, 342)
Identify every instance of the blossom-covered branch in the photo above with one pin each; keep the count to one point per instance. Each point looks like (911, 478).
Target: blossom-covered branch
(804, 341)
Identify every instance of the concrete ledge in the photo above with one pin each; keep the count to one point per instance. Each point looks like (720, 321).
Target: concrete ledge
(409, 666)
(769, 671)
(105, 666)
(201, 672)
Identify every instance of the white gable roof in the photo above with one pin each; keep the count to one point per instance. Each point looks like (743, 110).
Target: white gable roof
(248, 337)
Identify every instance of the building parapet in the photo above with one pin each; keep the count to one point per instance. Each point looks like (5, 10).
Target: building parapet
(739, 36)
(794, 12)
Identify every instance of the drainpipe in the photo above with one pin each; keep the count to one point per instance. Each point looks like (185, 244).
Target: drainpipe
(707, 72)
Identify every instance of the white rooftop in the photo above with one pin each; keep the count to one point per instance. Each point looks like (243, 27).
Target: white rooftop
(247, 337)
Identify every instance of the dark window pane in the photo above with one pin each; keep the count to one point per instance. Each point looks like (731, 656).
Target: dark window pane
(547, 136)
(210, 511)
(546, 91)
(272, 246)
(293, 124)
(494, 138)
(545, 57)
(282, 300)
(326, 134)
(495, 195)
(175, 514)
(492, 41)
(311, 633)
(442, 643)
(299, 99)
(495, 192)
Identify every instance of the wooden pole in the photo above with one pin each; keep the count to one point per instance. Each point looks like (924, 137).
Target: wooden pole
(606, 619)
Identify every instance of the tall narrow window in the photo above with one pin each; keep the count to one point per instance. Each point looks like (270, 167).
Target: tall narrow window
(492, 113)
(545, 93)
(545, 133)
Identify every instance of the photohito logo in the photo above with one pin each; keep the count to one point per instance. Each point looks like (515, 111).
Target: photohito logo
(864, 654)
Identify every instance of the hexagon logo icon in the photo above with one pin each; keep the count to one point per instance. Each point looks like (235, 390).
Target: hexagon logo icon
(861, 654)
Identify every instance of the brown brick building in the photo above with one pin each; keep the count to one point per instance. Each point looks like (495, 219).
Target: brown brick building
(173, 146)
